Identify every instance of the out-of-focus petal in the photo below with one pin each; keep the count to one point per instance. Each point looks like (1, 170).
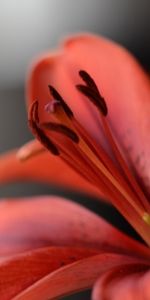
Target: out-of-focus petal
(126, 282)
(121, 81)
(19, 272)
(126, 89)
(52, 221)
(72, 278)
(30, 149)
(45, 168)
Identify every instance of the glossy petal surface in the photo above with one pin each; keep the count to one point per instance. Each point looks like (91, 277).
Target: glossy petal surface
(21, 271)
(72, 278)
(44, 168)
(126, 282)
(52, 221)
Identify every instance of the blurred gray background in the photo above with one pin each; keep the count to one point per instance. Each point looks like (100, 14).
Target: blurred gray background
(30, 27)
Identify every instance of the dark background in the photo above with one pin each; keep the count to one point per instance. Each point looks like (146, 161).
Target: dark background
(30, 27)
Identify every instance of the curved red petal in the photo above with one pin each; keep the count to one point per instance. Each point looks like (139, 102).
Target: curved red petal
(19, 272)
(124, 282)
(52, 221)
(44, 168)
(72, 278)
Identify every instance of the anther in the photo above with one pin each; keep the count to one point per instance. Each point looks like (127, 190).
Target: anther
(38, 132)
(60, 128)
(88, 80)
(91, 91)
(58, 98)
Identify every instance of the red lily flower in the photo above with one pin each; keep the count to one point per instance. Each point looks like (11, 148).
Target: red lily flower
(96, 144)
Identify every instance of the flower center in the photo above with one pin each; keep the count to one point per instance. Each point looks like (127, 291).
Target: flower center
(65, 136)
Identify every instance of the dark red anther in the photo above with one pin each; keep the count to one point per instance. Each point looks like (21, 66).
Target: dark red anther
(38, 132)
(91, 91)
(58, 97)
(62, 129)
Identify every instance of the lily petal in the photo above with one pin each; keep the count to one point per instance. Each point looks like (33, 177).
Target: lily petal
(125, 282)
(43, 167)
(52, 221)
(126, 94)
(72, 278)
(19, 272)
(127, 97)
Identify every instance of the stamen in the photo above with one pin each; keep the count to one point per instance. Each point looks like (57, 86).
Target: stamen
(57, 113)
(89, 81)
(91, 91)
(82, 153)
(58, 98)
(33, 121)
(88, 91)
(109, 176)
(61, 129)
(137, 200)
